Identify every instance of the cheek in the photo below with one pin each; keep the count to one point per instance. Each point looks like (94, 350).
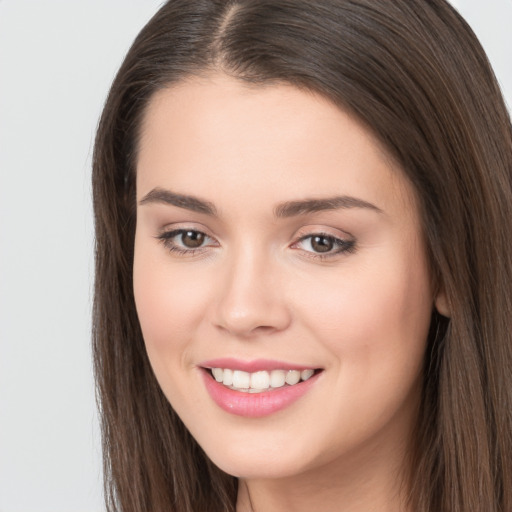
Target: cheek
(169, 306)
(374, 326)
(375, 318)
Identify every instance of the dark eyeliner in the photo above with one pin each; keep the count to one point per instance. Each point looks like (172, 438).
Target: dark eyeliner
(341, 246)
(166, 238)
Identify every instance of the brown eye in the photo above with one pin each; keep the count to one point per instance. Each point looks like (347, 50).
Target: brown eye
(321, 243)
(324, 246)
(186, 241)
(192, 239)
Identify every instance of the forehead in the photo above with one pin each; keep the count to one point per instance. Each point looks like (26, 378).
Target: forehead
(276, 140)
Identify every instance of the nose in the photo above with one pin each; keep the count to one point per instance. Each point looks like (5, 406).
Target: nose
(251, 299)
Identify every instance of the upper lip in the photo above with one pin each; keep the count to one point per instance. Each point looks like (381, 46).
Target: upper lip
(253, 365)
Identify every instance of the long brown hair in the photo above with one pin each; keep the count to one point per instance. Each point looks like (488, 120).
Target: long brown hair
(415, 74)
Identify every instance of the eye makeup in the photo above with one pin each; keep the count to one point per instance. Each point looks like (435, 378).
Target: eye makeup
(317, 245)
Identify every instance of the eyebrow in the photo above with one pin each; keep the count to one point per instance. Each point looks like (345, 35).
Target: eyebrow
(162, 196)
(303, 207)
(282, 210)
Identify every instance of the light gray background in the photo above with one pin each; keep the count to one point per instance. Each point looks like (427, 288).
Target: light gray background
(57, 59)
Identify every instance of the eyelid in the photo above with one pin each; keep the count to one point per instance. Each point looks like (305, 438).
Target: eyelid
(186, 225)
(315, 229)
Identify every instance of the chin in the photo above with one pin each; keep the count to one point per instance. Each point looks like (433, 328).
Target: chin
(256, 468)
(260, 458)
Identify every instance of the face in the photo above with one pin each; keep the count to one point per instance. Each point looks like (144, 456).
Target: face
(280, 277)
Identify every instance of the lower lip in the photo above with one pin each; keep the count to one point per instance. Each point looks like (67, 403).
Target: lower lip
(255, 405)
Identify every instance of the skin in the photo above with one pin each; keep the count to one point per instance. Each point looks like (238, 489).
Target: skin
(257, 288)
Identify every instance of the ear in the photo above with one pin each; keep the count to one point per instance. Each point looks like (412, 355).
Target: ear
(441, 302)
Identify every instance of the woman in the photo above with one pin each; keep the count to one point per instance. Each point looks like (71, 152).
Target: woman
(303, 262)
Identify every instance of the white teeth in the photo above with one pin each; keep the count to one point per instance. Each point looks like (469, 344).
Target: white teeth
(228, 377)
(304, 374)
(241, 379)
(261, 380)
(277, 378)
(292, 377)
(218, 373)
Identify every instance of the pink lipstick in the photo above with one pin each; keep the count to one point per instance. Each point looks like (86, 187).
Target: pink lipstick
(256, 388)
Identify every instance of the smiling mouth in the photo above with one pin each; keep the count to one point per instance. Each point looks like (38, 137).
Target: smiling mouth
(260, 381)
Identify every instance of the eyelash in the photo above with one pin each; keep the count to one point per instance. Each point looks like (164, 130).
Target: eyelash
(341, 245)
(167, 239)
